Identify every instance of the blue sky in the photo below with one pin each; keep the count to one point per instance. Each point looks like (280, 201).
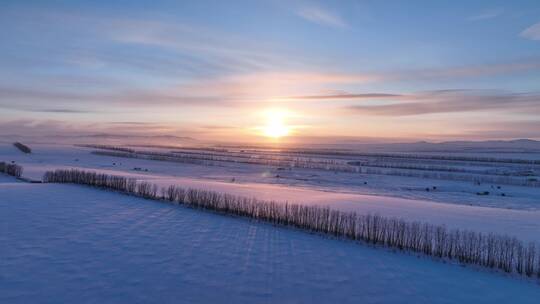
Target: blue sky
(404, 70)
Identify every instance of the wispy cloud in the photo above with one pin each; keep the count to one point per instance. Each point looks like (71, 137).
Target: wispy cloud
(453, 101)
(532, 32)
(346, 95)
(261, 86)
(253, 87)
(322, 16)
(210, 48)
(65, 111)
(216, 127)
(58, 128)
(157, 46)
(36, 128)
(27, 97)
(487, 14)
(480, 70)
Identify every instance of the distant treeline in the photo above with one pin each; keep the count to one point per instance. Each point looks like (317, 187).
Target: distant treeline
(209, 160)
(431, 167)
(488, 250)
(424, 172)
(107, 147)
(22, 147)
(411, 156)
(416, 162)
(476, 178)
(180, 147)
(226, 156)
(184, 160)
(11, 169)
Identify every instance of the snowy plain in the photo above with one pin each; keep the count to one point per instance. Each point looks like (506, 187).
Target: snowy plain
(72, 244)
(385, 194)
(47, 157)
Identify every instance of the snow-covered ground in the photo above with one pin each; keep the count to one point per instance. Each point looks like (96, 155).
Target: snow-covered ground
(72, 244)
(436, 207)
(47, 157)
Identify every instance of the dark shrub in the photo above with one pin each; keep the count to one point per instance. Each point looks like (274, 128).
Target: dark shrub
(11, 169)
(22, 148)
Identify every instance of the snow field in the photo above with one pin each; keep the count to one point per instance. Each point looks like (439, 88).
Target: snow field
(66, 243)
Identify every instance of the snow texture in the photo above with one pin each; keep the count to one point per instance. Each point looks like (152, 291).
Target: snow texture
(71, 244)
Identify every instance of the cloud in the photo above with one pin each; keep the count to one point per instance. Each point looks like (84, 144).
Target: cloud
(453, 101)
(345, 95)
(532, 32)
(26, 99)
(209, 48)
(53, 129)
(28, 106)
(217, 127)
(487, 14)
(262, 86)
(490, 69)
(133, 123)
(45, 127)
(164, 46)
(8, 93)
(251, 88)
(68, 111)
(322, 16)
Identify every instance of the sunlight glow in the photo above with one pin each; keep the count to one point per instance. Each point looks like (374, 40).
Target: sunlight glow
(275, 126)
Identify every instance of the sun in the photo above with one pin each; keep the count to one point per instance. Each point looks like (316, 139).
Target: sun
(275, 126)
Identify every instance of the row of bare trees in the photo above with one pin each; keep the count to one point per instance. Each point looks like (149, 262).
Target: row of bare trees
(440, 168)
(209, 160)
(220, 155)
(107, 147)
(234, 156)
(476, 178)
(11, 169)
(414, 156)
(184, 160)
(488, 250)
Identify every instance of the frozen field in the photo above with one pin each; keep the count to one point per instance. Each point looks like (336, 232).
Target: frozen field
(70, 244)
(383, 194)
(46, 157)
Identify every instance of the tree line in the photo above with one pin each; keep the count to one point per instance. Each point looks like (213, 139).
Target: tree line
(11, 169)
(107, 147)
(415, 156)
(476, 178)
(493, 251)
(208, 160)
(437, 168)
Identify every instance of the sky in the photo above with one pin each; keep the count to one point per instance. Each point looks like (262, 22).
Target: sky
(257, 70)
